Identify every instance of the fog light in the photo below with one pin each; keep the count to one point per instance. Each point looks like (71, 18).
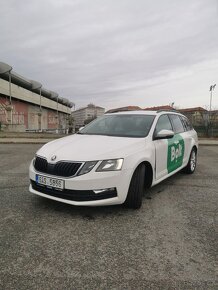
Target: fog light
(97, 191)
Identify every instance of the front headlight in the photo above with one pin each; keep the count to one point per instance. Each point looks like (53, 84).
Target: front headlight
(110, 165)
(87, 167)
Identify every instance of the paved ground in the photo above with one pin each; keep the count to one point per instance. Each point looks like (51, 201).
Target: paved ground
(42, 138)
(25, 140)
(27, 137)
(169, 244)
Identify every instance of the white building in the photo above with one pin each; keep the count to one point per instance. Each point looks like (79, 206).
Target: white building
(87, 113)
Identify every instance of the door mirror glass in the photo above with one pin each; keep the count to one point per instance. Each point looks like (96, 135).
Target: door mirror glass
(81, 128)
(164, 134)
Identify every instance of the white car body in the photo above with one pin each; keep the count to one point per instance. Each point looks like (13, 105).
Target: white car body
(134, 151)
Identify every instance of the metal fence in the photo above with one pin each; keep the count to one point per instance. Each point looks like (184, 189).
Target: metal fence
(206, 132)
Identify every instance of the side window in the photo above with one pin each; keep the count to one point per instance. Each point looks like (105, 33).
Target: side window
(163, 123)
(186, 123)
(177, 124)
(189, 125)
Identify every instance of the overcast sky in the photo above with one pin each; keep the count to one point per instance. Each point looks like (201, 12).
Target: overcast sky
(115, 52)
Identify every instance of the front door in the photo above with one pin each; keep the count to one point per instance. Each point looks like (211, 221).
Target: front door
(162, 147)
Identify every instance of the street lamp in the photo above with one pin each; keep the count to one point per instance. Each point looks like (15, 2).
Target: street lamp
(73, 105)
(172, 104)
(212, 88)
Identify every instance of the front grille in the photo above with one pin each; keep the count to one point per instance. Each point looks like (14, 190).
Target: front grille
(74, 195)
(41, 164)
(61, 168)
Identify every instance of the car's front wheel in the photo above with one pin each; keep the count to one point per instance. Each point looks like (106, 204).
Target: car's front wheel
(136, 188)
(191, 166)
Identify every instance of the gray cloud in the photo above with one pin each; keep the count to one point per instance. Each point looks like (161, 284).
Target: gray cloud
(112, 52)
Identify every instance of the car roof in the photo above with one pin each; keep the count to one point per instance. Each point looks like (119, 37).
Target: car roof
(142, 112)
(139, 112)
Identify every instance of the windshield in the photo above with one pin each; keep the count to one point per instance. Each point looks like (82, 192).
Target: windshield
(120, 126)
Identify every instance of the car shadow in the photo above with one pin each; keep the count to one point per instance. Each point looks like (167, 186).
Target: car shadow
(86, 212)
(91, 213)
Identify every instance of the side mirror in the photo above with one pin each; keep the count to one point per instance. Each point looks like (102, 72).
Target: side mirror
(81, 128)
(164, 134)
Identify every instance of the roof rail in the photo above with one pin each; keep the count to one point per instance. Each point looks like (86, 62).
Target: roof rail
(167, 110)
(118, 111)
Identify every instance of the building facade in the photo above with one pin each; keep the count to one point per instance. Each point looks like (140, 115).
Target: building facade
(198, 116)
(205, 122)
(27, 106)
(81, 116)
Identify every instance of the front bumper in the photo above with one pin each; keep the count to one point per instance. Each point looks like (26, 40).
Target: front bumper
(79, 190)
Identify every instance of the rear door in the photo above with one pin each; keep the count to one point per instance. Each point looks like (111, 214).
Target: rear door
(189, 135)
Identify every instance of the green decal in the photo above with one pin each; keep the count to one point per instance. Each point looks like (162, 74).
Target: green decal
(176, 149)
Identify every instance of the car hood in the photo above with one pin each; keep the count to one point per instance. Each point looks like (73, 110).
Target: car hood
(91, 147)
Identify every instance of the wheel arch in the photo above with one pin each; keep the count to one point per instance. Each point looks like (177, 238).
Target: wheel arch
(148, 173)
(195, 148)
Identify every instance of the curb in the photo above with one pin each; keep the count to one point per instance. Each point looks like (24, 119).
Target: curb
(25, 141)
(208, 144)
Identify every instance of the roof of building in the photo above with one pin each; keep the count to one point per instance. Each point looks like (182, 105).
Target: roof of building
(157, 108)
(195, 109)
(6, 73)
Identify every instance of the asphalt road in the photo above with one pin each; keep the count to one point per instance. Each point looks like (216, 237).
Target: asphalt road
(170, 243)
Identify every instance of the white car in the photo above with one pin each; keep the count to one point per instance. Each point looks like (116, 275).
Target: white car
(115, 158)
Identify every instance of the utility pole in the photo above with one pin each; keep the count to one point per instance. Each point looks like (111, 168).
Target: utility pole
(212, 88)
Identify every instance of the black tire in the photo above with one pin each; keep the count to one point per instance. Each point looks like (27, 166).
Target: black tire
(136, 188)
(191, 166)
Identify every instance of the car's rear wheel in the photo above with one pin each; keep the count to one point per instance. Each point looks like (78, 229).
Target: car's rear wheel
(136, 188)
(191, 166)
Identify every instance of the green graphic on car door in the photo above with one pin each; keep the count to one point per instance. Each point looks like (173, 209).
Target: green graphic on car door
(176, 149)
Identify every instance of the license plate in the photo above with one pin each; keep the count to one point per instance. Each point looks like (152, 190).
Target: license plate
(50, 182)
